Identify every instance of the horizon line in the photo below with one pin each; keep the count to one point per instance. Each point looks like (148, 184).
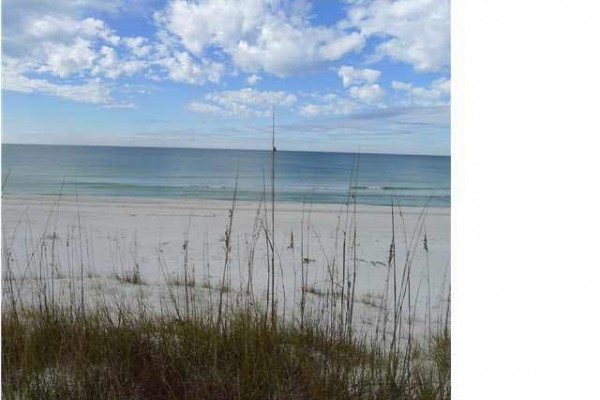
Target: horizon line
(221, 148)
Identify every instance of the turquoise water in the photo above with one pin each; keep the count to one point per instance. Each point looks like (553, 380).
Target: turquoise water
(316, 177)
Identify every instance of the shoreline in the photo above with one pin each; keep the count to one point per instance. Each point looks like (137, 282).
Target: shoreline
(208, 204)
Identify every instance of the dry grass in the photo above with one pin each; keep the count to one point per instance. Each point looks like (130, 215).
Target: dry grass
(53, 354)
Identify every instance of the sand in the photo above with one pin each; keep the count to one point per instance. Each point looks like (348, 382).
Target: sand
(110, 235)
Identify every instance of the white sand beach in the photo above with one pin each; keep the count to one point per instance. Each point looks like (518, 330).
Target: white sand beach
(110, 235)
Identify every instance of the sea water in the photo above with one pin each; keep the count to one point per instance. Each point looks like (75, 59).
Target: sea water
(316, 177)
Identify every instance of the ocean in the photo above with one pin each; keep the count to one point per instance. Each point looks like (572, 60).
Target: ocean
(316, 177)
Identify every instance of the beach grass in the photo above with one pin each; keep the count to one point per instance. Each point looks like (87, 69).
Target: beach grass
(56, 354)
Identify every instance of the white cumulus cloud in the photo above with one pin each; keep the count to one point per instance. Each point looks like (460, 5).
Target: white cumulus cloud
(242, 103)
(181, 67)
(64, 47)
(398, 85)
(253, 79)
(371, 94)
(352, 76)
(258, 35)
(416, 32)
(329, 104)
(437, 93)
(91, 91)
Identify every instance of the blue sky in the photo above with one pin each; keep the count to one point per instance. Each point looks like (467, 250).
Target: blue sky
(370, 76)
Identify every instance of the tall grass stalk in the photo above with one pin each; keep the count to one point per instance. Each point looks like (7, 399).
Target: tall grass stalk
(228, 230)
(273, 311)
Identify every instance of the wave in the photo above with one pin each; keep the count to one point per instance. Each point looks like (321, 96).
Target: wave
(281, 187)
(397, 188)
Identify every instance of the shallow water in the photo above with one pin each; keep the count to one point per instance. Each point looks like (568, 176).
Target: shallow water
(316, 177)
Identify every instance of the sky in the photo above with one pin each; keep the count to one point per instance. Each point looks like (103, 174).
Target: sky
(368, 76)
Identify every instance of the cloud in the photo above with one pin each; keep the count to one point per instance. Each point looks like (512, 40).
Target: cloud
(368, 101)
(416, 130)
(62, 6)
(64, 28)
(60, 45)
(205, 108)
(411, 115)
(358, 98)
(352, 76)
(120, 106)
(181, 67)
(337, 48)
(199, 24)
(252, 96)
(371, 94)
(416, 32)
(91, 91)
(437, 93)
(62, 48)
(65, 59)
(397, 85)
(253, 79)
(49, 46)
(242, 103)
(361, 83)
(257, 34)
(138, 45)
(17, 15)
(277, 37)
(111, 66)
(329, 104)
